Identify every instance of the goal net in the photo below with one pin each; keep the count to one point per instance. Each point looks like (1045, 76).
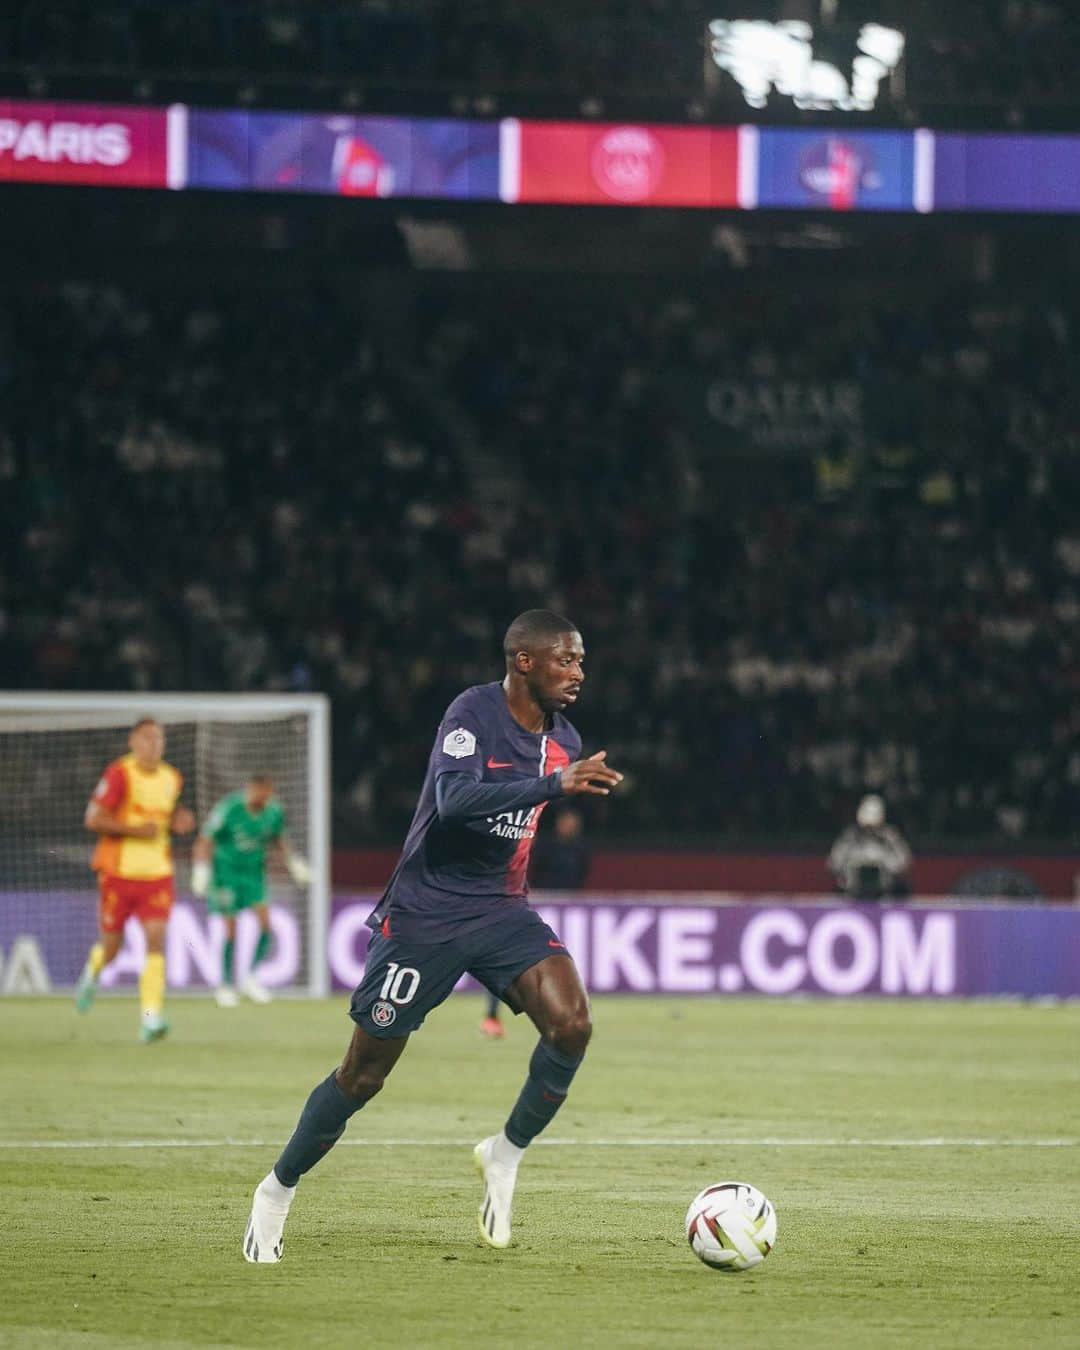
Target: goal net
(53, 749)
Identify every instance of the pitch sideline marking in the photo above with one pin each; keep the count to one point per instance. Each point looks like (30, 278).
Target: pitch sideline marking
(701, 1142)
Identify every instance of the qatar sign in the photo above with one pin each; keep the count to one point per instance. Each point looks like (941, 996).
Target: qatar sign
(673, 946)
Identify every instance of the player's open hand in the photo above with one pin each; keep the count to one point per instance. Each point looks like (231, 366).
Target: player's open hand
(147, 830)
(590, 775)
(183, 821)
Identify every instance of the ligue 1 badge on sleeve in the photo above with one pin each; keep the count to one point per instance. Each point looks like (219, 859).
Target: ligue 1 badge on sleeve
(459, 744)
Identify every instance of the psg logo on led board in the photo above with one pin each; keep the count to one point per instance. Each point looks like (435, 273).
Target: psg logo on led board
(628, 163)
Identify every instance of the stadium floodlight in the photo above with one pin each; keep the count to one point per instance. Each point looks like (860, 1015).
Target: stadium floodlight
(53, 748)
(762, 56)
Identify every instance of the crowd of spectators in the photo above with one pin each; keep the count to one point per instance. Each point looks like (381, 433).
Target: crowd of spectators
(256, 491)
(1020, 53)
(472, 45)
(897, 610)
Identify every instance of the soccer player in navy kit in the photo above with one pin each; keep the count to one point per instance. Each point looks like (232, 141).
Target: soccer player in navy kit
(456, 902)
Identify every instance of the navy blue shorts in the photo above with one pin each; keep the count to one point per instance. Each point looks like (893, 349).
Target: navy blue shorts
(404, 981)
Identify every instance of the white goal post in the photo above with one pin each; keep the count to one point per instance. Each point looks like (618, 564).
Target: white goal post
(53, 748)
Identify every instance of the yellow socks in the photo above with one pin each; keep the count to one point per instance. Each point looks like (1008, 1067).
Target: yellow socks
(152, 985)
(96, 959)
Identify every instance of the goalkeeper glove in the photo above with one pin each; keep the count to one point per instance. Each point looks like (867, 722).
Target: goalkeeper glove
(298, 869)
(200, 878)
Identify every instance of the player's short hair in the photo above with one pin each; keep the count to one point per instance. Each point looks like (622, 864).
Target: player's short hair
(262, 778)
(532, 629)
(145, 722)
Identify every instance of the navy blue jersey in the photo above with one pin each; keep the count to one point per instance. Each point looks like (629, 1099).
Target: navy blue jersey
(462, 867)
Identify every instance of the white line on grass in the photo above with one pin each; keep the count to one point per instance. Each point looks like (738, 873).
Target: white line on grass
(700, 1142)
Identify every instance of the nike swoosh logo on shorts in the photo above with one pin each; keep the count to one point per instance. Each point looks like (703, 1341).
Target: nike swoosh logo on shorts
(498, 764)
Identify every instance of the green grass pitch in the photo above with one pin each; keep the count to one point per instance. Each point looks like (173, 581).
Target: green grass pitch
(937, 1244)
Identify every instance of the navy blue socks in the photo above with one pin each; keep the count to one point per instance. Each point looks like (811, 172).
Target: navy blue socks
(322, 1123)
(326, 1112)
(550, 1076)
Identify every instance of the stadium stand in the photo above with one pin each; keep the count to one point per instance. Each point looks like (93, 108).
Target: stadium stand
(895, 610)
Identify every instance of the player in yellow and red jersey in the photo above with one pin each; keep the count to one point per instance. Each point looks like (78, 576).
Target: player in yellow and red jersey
(133, 812)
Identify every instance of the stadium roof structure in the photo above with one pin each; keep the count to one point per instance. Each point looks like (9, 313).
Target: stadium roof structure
(963, 66)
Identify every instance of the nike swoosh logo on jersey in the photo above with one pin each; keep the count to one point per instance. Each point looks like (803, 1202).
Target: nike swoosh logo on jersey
(498, 764)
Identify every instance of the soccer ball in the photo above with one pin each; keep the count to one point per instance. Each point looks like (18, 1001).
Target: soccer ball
(731, 1226)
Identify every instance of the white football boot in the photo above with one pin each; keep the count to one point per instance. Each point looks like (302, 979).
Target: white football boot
(153, 1027)
(225, 996)
(264, 1239)
(496, 1160)
(252, 989)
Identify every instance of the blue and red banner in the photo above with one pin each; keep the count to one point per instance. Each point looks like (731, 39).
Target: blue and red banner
(444, 158)
(836, 170)
(512, 160)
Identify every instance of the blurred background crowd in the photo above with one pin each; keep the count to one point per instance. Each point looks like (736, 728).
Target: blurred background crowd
(813, 550)
(806, 482)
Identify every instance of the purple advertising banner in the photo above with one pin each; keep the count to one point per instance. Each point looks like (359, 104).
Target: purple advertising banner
(45, 936)
(669, 945)
(1006, 172)
(343, 155)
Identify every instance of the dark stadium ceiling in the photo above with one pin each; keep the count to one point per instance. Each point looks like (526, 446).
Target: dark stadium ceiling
(992, 64)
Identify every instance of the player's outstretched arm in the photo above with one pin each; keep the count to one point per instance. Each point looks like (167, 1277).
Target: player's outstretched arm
(593, 775)
(459, 797)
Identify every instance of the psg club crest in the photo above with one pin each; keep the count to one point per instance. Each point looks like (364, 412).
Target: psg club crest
(383, 1013)
(628, 163)
(837, 171)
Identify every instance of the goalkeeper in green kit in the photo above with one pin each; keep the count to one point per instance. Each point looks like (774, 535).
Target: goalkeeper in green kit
(229, 870)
